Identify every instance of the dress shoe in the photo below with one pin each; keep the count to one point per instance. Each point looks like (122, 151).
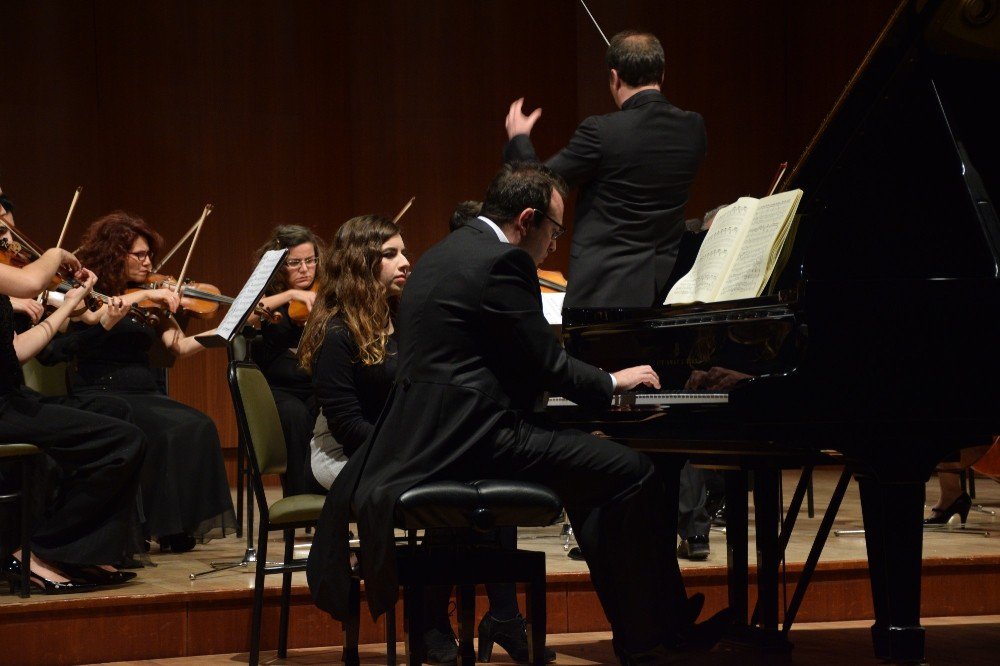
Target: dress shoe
(694, 605)
(440, 647)
(511, 635)
(961, 506)
(12, 571)
(177, 543)
(576, 554)
(694, 548)
(704, 636)
(97, 575)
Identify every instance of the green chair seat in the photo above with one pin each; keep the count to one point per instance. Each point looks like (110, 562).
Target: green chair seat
(296, 509)
(17, 450)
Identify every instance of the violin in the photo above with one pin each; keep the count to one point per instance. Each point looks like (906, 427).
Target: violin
(19, 251)
(298, 311)
(198, 299)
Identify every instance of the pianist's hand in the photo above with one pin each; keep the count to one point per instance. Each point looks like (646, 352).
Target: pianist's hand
(714, 379)
(629, 378)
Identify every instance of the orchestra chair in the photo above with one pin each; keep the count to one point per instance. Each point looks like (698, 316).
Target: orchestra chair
(21, 455)
(49, 380)
(262, 437)
(475, 506)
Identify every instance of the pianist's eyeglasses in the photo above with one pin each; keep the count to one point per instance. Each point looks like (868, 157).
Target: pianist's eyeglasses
(560, 229)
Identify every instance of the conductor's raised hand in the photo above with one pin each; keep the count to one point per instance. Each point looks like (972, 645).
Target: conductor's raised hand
(517, 122)
(629, 378)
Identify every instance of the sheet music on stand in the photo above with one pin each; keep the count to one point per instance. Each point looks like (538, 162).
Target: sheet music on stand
(245, 302)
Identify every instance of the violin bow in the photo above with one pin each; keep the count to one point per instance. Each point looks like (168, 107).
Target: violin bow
(69, 214)
(594, 21)
(403, 210)
(777, 178)
(177, 246)
(206, 211)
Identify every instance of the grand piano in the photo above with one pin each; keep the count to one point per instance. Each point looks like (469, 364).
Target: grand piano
(876, 345)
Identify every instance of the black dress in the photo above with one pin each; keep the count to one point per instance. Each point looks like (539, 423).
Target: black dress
(274, 353)
(98, 456)
(183, 485)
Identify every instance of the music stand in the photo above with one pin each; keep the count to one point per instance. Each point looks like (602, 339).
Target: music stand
(230, 334)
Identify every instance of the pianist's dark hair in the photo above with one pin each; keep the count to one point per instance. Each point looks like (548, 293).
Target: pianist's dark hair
(637, 57)
(465, 211)
(520, 185)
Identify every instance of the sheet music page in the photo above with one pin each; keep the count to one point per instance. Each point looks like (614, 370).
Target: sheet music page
(552, 305)
(715, 255)
(249, 296)
(749, 269)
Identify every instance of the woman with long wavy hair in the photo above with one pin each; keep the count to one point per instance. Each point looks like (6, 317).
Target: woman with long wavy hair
(348, 344)
(275, 349)
(185, 494)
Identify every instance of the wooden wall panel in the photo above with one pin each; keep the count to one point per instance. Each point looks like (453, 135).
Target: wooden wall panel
(312, 112)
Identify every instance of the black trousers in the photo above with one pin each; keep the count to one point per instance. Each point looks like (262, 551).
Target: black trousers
(623, 511)
(692, 518)
(99, 459)
(298, 416)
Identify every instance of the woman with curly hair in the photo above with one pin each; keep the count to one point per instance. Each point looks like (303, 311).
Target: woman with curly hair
(184, 491)
(274, 350)
(348, 344)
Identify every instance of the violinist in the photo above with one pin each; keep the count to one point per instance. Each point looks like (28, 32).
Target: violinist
(185, 493)
(85, 529)
(274, 352)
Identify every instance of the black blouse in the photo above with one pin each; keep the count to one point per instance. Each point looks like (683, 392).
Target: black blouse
(11, 376)
(350, 393)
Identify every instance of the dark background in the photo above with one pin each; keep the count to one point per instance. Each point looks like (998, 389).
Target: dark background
(311, 112)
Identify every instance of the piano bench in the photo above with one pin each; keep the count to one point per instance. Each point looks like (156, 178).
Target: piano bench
(465, 559)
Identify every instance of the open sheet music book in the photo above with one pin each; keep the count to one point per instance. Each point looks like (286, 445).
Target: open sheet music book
(245, 302)
(740, 250)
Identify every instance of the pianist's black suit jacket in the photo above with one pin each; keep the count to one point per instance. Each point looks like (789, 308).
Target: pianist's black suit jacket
(634, 169)
(474, 353)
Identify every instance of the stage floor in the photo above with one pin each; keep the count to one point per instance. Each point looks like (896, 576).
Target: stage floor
(170, 572)
(951, 642)
(166, 616)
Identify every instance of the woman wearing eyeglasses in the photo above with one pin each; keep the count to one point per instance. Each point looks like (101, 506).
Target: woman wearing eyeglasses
(185, 494)
(274, 352)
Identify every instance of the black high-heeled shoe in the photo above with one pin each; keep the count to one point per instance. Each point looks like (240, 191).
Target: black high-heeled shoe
(962, 505)
(511, 635)
(12, 571)
(97, 575)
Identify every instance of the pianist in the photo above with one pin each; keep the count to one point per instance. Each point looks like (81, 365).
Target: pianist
(474, 354)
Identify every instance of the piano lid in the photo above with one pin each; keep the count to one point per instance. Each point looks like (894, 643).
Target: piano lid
(899, 180)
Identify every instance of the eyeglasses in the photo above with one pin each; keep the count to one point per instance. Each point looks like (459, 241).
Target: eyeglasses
(142, 256)
(293, 264)
(560, 229)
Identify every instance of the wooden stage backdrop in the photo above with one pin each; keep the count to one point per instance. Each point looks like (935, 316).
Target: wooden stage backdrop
(313, 111)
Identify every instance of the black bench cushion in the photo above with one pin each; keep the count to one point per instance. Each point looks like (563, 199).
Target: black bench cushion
(481, 505)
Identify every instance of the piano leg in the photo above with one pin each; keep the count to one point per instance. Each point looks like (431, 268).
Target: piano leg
(893, 516)
(737, 518)
(766, 514)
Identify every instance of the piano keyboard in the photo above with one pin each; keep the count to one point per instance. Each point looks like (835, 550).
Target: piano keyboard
(654, 399)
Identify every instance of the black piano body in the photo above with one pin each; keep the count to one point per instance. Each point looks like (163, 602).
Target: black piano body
(878, 339)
